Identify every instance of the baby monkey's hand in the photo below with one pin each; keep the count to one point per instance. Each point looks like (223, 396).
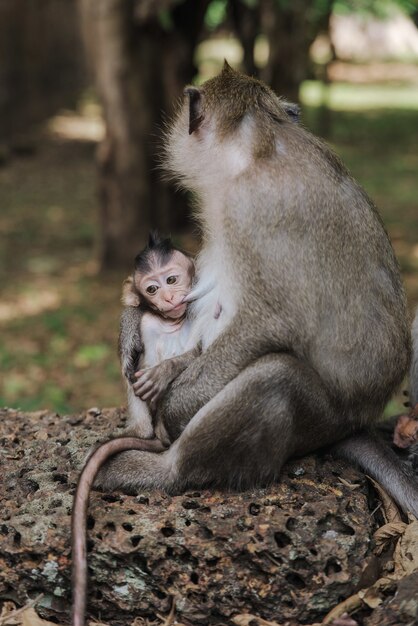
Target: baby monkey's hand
(151, 383)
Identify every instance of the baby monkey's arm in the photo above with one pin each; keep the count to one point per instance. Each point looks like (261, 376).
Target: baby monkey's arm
(153, 382)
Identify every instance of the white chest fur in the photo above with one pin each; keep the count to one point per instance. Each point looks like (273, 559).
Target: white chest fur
(162, 339)
(212, 313)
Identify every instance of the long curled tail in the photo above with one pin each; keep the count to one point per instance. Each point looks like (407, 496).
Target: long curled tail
(79, 514)
(382, 464)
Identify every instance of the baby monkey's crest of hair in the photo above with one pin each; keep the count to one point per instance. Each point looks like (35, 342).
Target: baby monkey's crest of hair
(158, 248)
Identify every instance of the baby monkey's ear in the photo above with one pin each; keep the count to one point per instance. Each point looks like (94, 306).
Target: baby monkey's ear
(130, 296)
(195, 108)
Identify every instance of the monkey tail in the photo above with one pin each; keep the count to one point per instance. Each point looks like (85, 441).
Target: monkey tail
(79, 514)
(381, 463)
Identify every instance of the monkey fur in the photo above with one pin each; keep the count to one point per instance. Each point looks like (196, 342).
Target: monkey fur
(146, 337)
(313, 335)
(302, 316)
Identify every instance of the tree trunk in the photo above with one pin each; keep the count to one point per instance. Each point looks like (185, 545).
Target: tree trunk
(42, 68)
(291, 28)
(177, 70)
(141, 68)
(245, 22)
(127, 205)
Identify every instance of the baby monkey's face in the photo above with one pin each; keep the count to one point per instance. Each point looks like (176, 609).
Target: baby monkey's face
(165, 285)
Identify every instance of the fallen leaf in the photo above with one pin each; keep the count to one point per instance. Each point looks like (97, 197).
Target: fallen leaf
(29, 617)
(7, 610)
(390, 510)
(371, 597)
(386, 533)
(11, 615)
(406, 551)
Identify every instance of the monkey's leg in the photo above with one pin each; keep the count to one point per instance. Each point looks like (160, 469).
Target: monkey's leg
(233, 441)
(274, 409)
(140, 421)
(235, 350)
(132, 471)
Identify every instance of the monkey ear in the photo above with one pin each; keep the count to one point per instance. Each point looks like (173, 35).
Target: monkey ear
(226, 68)
(130, 296)
(195, 108)
(293, 111)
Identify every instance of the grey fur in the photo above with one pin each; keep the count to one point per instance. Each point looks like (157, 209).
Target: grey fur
(132, 351)
(130, 342)
(413, 373)
(316, 338)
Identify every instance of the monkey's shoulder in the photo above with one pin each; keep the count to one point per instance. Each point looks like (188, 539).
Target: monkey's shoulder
(131, 314)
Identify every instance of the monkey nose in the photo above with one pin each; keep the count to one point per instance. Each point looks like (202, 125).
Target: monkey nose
(168, 296)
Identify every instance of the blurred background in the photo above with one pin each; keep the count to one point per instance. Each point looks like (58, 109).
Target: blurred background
(85, 89)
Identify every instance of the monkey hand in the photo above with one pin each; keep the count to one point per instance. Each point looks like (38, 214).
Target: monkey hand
(151, 383)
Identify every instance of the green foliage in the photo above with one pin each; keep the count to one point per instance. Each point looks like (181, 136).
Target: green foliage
(91, 355)
(216, 14)
(378, 8)
(343, 96)
(316, 8)
(166, 20)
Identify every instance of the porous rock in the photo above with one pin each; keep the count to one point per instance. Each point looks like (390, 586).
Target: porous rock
(291, 551)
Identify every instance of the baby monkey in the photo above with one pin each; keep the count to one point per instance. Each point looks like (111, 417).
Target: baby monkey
(155, 343)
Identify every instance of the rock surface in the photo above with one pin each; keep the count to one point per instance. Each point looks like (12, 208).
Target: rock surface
(289, 552)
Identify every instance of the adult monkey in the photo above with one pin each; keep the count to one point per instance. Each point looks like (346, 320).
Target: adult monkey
(313, 336)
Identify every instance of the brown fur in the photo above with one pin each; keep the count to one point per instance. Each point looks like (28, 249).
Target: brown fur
(313, 334)
(305, 333)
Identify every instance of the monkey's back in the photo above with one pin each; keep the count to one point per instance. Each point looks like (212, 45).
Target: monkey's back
(306, 257)
(332, 279)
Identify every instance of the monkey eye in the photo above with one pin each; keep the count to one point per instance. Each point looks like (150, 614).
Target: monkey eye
(152, 289)
(171, 280)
